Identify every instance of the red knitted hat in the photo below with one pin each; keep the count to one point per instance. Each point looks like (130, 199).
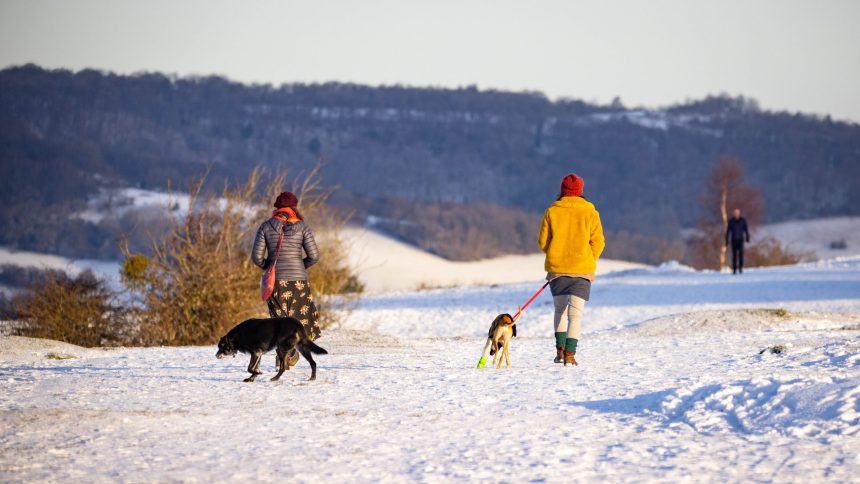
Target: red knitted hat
(286, 199)
(572, 185)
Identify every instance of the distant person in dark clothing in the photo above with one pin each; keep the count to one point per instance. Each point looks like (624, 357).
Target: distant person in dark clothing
(737, 232)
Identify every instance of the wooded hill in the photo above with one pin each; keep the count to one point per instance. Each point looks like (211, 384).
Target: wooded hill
(63, 135)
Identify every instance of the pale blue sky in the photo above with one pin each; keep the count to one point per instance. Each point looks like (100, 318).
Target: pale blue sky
(788, 54)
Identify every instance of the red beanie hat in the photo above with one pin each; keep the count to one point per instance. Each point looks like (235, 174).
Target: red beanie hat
(286, 199)
(571, 186)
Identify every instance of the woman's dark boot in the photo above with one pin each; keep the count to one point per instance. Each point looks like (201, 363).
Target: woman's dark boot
(559, 356)
(569, 358)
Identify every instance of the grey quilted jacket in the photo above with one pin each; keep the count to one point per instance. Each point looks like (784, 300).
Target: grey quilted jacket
(291, 263)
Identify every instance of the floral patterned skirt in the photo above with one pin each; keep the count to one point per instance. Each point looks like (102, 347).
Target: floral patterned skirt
(294, 299)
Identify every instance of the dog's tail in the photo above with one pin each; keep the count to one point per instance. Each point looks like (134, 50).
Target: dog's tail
(314, 348)
(310, 345)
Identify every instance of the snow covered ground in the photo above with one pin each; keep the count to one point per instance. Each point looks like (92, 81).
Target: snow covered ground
(384, 263)
(105, 268)
(818, 236)
(673, 385)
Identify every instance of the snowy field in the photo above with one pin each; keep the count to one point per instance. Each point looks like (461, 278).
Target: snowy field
(672, 386)
(386, 264)
(817, 235)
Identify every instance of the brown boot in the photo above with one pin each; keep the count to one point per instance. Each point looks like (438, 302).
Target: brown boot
(569, 358)
(559, 356)
(292, 358)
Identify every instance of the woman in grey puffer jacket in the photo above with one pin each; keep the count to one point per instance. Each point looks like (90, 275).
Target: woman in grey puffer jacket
(292, 296)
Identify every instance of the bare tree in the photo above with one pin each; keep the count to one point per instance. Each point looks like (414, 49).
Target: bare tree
(725, 189)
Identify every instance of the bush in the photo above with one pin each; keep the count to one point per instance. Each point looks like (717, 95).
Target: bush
(702, 250)
(770, 252)
(838, 245)
(199, 280)
(81, 310)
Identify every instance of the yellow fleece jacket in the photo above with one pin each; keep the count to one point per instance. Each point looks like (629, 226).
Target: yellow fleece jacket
(571, 236)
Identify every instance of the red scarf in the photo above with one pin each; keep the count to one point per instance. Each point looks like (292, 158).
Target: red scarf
(286, 214)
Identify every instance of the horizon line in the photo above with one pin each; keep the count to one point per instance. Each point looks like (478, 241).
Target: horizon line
(173, 76)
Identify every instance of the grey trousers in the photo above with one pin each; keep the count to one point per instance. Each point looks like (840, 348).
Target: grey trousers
(568, 315)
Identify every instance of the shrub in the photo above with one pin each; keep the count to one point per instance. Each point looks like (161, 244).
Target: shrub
(724, 191)
(703, 246)
(838, 245)
(770, 252)
(764, 252)
(200, 281)
(81, 310)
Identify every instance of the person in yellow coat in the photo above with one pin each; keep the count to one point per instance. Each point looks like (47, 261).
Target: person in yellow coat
(571, 236)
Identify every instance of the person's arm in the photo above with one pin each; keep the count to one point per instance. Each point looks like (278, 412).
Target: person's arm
(746, 230)
(258, 251)
(310, 246)
(597, 242)
(545, 234)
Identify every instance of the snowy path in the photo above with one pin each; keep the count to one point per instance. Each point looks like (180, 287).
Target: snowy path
(617, 299)
(680, 397)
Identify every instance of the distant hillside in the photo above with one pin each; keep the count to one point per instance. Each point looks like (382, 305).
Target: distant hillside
(64, 134)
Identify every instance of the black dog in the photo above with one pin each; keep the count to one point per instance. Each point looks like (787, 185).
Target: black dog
(259, 336)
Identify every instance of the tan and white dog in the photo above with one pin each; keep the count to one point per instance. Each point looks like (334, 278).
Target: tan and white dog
(499, 340)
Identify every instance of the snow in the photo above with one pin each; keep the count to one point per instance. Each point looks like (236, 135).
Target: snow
(816, 235)
(619, 299)
(117, 202)
(811, 236)
(382, 263)
(676, 383)
(386, 264)
(396, 115)
(19, 349)
(20, 258)
(653, 119)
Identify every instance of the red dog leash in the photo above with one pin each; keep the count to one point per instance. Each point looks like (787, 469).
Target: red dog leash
(516, 316)
(487, 346)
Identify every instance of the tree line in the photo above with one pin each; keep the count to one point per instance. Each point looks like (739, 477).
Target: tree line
(465, 154)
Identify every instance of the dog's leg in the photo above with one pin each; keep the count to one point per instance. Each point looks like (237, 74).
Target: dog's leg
(253, 367)
(501, 353)
(281, 358)
(507, 357)
(498, 352)
(307, 354)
